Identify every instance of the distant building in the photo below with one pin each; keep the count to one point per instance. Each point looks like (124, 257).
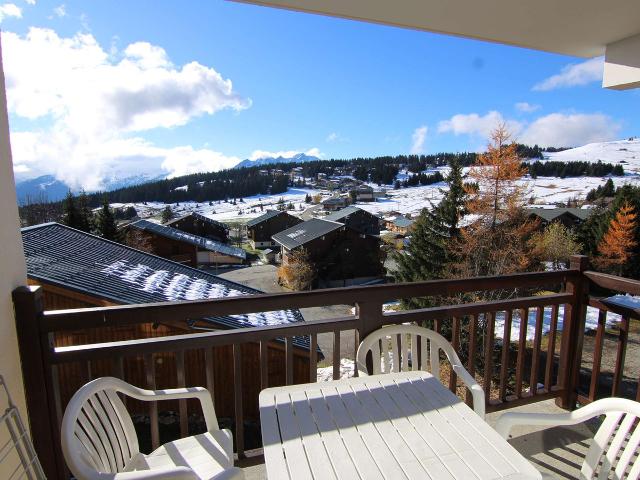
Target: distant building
(262, 228)
(341, 255)
(569, 217)
(382, 193)
(334, 204)
(364, 193)
(400, 224)
(358, 219)
(186, 248)
(201, 226)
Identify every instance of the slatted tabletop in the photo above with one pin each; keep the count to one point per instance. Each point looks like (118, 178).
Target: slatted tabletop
(391, 426)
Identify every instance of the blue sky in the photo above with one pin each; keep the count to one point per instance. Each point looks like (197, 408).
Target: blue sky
(300, 82)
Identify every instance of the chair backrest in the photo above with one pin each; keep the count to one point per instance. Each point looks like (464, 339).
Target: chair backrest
(615, 444)
(97, 432)
(399, 348)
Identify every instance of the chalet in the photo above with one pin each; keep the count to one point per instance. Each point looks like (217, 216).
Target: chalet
(341, 255)
(199, 225)
(569, 217)
(358, 219)
(400, 224)
(364, 193)
(262, 228)
(183, 247)
(77, 270)
(334, 204)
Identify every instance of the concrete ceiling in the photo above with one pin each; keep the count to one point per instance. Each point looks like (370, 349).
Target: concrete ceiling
(581, 28)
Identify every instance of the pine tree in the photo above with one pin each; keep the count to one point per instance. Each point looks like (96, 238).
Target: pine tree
(425, 257)
(428, 255)
(85, 215)
(618, 243)
(105, 222)
(452, 207)
(167, 214)
(70, 215)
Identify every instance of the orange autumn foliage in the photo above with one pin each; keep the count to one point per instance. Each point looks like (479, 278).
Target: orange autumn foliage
(496, 173)
(617, 244)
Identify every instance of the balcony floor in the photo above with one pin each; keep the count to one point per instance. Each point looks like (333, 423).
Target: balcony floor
(556, 451)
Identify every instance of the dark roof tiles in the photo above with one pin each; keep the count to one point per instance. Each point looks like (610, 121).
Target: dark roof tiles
(78, 261)
(305, 232)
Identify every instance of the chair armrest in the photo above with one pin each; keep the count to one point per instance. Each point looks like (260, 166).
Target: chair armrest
(594, 409)
(199, 393)
(476, 390)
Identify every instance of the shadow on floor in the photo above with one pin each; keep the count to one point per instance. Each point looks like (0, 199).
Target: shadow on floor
(557, 451)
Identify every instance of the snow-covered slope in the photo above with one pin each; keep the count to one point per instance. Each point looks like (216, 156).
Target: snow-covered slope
(624, 152)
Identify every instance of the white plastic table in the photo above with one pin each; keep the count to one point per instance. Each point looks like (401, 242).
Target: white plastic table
(392, 426)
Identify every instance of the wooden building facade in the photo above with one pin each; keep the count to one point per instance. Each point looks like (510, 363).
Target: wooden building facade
(202, 226)
(262, 228)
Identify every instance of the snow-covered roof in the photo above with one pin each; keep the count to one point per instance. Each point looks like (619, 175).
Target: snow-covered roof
(78, 261)
(550, 214)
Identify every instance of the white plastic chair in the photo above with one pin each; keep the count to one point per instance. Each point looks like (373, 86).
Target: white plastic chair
(99, 441)
(387, 357)
(615, 444)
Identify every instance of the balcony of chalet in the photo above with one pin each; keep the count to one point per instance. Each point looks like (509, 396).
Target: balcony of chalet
(577, 343)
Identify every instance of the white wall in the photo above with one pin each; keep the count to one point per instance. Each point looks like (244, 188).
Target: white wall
(12, 264)
(622, 64)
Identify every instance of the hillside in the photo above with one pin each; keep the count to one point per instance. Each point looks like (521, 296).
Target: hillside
(623, 152)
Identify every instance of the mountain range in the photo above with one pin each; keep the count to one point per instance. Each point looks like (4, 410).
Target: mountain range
(298, 158)
(49, 189)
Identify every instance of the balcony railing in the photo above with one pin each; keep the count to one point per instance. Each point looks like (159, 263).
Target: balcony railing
(512, 372)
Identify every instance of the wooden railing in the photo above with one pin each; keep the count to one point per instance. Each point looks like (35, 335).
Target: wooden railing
(594, 379)
(511, 372)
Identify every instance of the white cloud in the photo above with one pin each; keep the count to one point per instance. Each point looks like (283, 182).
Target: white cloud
(574, 75)
(60, 10)
(553, 130)
(94, 101)
(570, 130)
(525, 107)
(418, 138)
(10, 10)
(474, 124)
(30, 2)
(258, 154)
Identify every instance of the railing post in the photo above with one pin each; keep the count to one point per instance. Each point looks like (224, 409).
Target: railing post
(28, 304)
(371, 319)
(573, 333)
